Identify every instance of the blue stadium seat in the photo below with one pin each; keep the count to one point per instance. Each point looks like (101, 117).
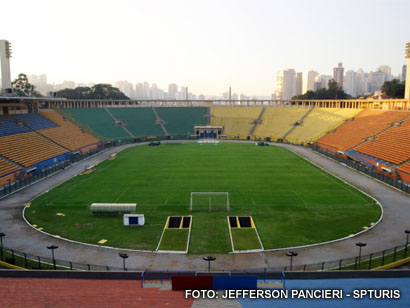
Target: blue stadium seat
(9, 127)
(35, 121)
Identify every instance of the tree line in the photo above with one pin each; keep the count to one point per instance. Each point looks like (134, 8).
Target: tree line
(22, 87)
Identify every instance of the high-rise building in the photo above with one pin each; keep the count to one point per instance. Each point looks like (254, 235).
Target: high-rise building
(322, 82)
(338, 73)
(387, 70)
(182, 93)
(126, 87)
(147, 91)
(376, 80)
(37, 80)
(407, 87)
(40, 82)
(139, 90)
(309, 81)
(285, 84)
(172, 91)
(363, 87)
(350, 83)
(155, 94)
(299, 83)
(5, 55)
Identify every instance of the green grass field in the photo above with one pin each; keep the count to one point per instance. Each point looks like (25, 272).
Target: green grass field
(292, 202)
(174, 239)
(245, 239)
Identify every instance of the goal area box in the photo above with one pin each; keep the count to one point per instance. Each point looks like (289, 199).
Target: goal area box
(209, 201)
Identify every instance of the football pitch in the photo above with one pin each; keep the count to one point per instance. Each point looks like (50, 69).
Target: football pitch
(291, 201)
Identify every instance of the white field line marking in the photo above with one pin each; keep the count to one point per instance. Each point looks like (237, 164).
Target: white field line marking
(230, 234)
(159, 243)
(297, 195)
(330, 176)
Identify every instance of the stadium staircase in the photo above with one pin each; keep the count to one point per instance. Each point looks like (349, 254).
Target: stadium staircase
(300, 122)
(28, 148)
(319, 123)
(181, 120)
(257, 121)
(159, 121)
(8, 166)
(11, 162)
(9, 126)
(236, 120)
(392, 144)
(121, 125)
(353, 133)
(49, 139)
(140, 121)
(371, 138)
(404, 167)
(34, 122)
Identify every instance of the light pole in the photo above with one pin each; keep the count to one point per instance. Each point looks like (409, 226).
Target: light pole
(209, 259)
(291, 254)
(1, 243)
(123, 256)
(407, 241)
(52, 247)
(360, 245)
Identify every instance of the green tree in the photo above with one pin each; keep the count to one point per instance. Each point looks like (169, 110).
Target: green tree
(394, 88)
(22, 87)
(332, 92)
(98, 91)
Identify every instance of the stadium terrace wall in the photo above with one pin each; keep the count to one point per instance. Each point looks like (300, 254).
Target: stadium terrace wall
(50, 162)
(386, 104)
(34, 103)
(45, 169)
(377, 173)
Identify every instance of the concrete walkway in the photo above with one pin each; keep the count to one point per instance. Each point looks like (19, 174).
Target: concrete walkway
(388, 233)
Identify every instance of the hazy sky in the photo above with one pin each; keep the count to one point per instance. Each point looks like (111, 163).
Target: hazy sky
(207, 45)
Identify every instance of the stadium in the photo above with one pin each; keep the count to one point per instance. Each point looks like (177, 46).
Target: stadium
(210, 201)
(245, 182)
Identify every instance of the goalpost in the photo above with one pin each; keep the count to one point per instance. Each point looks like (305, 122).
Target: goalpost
(209, 201)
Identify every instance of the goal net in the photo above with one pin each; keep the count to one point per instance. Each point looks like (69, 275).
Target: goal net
(209, 201)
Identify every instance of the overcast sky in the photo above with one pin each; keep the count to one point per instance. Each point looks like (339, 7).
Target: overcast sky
(206, 45)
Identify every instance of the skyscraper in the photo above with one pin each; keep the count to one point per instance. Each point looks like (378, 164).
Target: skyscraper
(309, 81)
(126, 87)
(322, 82)
(338, 75)
(299, 83)
(376, 80)
(350, 83)
(5, 55)
(172, 91)
(387, 70)
(285, 84)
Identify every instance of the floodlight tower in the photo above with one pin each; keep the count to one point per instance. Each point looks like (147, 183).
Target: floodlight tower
(5, 55)
(407, 89)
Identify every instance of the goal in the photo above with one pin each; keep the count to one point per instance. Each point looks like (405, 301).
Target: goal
(209, 201)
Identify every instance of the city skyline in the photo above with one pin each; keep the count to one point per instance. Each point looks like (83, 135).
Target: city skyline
(355, 83)
(205, 46)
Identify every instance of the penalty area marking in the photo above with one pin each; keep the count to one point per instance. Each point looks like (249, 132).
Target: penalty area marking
(169, 226)
(238, 226)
